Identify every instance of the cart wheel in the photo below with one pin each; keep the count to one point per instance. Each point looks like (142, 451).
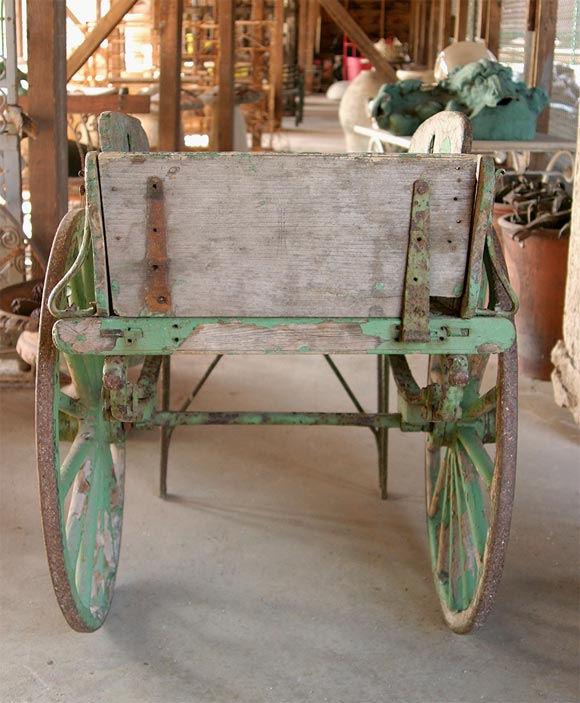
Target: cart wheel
(470, 477)
(80, 455)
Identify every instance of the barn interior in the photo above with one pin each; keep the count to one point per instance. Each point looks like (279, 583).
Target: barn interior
(266, 565)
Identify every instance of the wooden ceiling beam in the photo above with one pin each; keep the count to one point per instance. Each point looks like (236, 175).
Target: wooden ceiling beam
(100, 32)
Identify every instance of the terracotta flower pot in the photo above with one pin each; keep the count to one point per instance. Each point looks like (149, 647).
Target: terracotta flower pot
(537, 268)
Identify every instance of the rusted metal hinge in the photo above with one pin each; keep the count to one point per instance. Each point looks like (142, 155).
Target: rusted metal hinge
(415, 317)
(157, 291)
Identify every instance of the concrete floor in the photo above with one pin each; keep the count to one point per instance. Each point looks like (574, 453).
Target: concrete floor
(274, 573)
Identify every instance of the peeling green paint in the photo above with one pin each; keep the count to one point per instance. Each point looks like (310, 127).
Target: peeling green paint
(379, 286)
(162, 335)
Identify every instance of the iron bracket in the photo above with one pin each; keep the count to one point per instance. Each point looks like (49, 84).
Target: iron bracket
(415, 317)
(157, 290)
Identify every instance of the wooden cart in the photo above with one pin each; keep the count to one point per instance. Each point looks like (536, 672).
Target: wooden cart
(386, 255)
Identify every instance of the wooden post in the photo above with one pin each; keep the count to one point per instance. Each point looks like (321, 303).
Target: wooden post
(170, 75)
(302, 32)
(353, 30)
(312, 19)
(382, 21)
(47, 107)
(493, 22)
(542, 16)
(432, 32)
(444, 27)
(258, 36)
(257, 71)
(481, 20)
(277, 60)
(422, 23)
(226, 65)
(462, 10)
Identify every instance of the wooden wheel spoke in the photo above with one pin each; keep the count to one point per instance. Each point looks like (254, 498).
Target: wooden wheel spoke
(71, 406)
(477, 367)
(450, 536)
(86, 373)
(474, 505)
(477, 453)
(78, 507)
(443, 528)
(74, 461)
(434, 499)
(88, 552)
(468, 563)
(482, 406)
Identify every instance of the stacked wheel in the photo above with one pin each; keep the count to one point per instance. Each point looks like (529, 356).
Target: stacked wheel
(80, 454)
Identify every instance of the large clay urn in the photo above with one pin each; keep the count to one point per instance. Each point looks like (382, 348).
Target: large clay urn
(537, 267)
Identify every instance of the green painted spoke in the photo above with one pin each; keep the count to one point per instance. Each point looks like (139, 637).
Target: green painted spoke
(477, 453)
(474, 505)
(468, 565)
(450, 535)
(86, 372)
(442, 526)
(74, 461)
(77, 511)
(483, 405)
(434, 502)
(86, 557)
(71, 406)
(100, 567)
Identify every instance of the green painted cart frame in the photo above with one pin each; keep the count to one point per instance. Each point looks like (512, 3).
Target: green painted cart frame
(386, 255)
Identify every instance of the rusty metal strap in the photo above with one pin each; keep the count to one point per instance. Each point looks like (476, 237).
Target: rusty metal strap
(415, 317)
(157, 291)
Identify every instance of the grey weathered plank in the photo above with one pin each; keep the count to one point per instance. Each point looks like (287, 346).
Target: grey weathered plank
(284, 235)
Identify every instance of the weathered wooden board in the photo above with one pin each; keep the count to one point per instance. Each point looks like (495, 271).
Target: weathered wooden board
(145, 336)
(284, 235)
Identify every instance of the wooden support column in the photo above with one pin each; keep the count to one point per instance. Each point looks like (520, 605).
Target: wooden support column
(170, 75)
(277, 61)
(302, 32)
(493, 22)
(462, 11)
(432, 32)
(257, 68)
(542, 16)
(311, 22)
(48, 153)
(481, 19)
(100, 32)
(226, 66)
(258, 36)
(421, 37)
(444, 28)
(357, 35)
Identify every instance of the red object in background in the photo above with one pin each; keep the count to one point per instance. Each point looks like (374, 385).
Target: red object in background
(352, 61)
(353, 66)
